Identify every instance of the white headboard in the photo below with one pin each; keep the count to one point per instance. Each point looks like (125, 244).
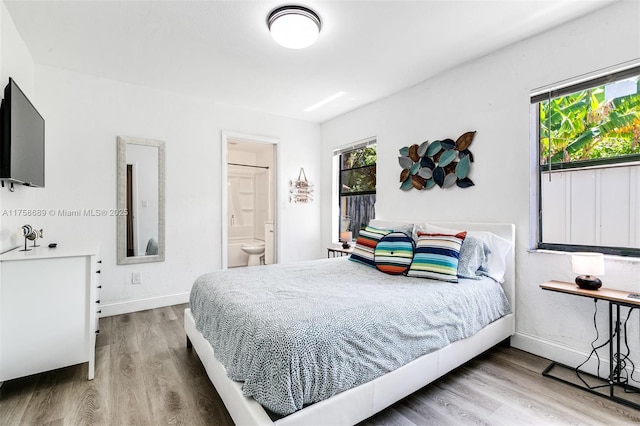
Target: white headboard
(504, 230)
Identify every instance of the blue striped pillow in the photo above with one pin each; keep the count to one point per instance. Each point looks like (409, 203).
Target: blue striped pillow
(394, 252)
(436, 256)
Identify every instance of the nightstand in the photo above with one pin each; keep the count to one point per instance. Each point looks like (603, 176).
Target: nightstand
(615, 386)
(338, 251)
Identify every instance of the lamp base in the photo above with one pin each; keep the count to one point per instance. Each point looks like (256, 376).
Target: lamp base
(588, 282)
(346, 245)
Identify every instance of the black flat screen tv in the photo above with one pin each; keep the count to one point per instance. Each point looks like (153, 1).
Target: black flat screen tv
(22, 139)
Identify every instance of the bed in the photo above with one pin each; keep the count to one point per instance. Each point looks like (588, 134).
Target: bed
(378, 381)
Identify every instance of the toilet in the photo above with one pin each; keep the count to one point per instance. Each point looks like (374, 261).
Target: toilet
(255, 251)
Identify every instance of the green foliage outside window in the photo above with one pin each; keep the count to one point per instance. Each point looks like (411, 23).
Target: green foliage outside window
(586, 126)
(358, 171)
(359, 157)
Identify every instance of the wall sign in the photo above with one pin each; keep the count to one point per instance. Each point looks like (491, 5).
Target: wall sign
(301, 189)
(442, 162)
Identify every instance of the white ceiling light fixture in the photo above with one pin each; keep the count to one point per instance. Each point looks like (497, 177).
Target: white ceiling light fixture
(294, 27)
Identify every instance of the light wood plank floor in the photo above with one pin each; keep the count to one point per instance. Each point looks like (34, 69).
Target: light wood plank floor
(145, 375)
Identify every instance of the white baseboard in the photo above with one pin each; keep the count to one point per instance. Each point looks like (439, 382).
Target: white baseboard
(546, 349)
(565, 355)
(126, 307)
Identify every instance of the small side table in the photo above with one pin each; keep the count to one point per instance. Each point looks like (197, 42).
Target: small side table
(338, 251)
(616, 299)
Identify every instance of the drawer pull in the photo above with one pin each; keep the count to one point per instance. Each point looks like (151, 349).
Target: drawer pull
(98, 301)
(100, 311)
(97, 331)
(98, 271)
(100, 286)
(99, 261)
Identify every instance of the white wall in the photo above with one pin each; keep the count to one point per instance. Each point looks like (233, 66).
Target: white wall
(491, 95)
(15, 62)
(85, 114)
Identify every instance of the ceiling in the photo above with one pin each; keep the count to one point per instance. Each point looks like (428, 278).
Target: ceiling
(222, 50)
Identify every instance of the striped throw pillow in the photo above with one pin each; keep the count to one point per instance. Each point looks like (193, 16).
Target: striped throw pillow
(394, 253)
(436, 256)
(366, 243)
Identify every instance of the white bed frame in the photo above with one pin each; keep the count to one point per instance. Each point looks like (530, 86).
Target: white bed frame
(361, 402)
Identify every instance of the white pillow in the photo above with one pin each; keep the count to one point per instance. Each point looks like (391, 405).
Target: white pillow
(498, 246)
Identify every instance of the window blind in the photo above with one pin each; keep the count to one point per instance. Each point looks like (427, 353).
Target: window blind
(587, 83)
(356, 145)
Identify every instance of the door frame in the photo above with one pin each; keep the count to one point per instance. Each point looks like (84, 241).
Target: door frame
(224, 215)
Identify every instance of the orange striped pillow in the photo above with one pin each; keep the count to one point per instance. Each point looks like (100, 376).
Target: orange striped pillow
(363, 252)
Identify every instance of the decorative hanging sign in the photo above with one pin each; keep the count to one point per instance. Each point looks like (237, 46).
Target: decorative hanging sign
(442, 162)
(301, 189)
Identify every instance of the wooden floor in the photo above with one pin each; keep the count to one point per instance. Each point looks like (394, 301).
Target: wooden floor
(145, 375)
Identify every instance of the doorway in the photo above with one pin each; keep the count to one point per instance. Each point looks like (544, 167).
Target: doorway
(249, 194)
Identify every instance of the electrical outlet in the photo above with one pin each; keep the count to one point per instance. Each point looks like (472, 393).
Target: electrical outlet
(136, 278)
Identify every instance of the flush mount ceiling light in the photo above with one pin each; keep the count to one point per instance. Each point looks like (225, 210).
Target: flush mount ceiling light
(294, 27)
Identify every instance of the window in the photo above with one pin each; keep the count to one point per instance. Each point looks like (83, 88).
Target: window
(356, 186)
(587, 138)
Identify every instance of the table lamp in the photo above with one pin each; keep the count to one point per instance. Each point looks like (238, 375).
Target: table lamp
(346, 237)
(587, 265)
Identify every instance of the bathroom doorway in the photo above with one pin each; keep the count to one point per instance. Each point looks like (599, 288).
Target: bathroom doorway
(249, 217)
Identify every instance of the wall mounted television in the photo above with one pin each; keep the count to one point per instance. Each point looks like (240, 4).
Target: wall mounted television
(22, 139)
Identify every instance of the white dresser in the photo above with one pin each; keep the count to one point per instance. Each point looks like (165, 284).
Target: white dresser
(48, 309)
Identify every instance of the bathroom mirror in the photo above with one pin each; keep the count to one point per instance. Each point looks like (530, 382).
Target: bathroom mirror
(140, 213)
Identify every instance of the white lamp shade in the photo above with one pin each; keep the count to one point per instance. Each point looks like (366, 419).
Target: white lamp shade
(587, 263)
(294, 28)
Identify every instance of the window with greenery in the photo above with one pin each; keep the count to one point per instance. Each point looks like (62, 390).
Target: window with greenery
(357, 187)
(588, 144)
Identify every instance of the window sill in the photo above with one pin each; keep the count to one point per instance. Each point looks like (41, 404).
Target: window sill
(615, 258)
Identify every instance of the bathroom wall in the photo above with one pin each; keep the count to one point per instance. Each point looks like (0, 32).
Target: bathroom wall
(242, 202)
(261, 213)
(249, 188)
(266, 158)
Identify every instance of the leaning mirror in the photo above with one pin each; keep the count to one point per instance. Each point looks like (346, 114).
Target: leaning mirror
(141, 200)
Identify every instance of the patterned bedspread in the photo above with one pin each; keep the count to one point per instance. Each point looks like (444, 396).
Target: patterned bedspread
(299, 333)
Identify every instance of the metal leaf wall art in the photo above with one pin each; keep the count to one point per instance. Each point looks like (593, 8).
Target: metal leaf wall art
(442, 162)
